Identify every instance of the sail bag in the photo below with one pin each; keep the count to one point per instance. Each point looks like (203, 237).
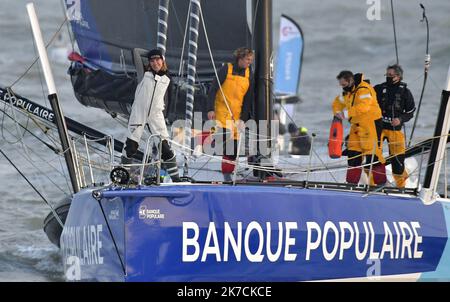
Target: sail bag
(336, 138)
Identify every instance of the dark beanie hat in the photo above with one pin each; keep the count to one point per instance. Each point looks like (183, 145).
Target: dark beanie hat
(155, 53)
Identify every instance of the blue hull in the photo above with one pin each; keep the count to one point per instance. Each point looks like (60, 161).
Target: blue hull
(251, 233)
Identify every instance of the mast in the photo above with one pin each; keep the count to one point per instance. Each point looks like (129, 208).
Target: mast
(441, 132)
(263, 63)
(194, 21)
(163, 15)
(53, 97)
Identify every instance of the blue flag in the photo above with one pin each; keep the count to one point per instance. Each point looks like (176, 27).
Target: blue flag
(288, 63)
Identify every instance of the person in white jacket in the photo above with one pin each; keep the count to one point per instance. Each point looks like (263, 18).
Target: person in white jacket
(148, 110)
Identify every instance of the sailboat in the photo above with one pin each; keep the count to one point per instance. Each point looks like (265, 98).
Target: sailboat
(244, 230)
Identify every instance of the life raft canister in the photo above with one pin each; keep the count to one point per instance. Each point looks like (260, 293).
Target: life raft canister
(336, 138)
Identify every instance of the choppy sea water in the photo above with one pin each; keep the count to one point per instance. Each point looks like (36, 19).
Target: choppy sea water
(338, 36)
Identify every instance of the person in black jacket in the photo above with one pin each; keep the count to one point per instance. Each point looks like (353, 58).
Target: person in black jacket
(397, 106)
(301, 141)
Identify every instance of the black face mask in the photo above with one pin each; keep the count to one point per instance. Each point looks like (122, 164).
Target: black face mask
(347, 88)
(389, 80)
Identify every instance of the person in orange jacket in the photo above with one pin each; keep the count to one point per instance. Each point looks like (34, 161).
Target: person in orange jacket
(364, 114)
(230, 103)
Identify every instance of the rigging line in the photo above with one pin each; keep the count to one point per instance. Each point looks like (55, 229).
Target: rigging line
(180, 69)
(201, 168)
(45, 132)
(417, 78)
(326, 167)
(247, 175)
(45, 174)
(30, 161)
(34, 188)
(286, 112)
(338, 168)
(227, 161)
(425, 73)
(434, 83)
(40, 124)
(298, 165)
(392, 156)
(395, 34)
(176, 15)
(49, 136)
(37, 58)
(65, 13)
(54, 149)
(30, 116)
(3, 127)
(16, 124)
(342, 167)
(177, 145)
(214, 64)
(254, 167)
(285, 171)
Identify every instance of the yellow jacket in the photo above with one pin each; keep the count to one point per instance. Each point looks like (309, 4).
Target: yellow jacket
(361, 103)
(231, 98)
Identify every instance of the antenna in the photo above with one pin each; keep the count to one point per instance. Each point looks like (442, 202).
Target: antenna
(425, 76)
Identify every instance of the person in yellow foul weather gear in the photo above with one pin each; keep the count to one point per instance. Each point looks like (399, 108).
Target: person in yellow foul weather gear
(363, 112)
(231, 103)
(397, 106)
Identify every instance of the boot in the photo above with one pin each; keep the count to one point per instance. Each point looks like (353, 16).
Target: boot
(227, 167)
(353, 175)
(379, 174)
(228, 164)
(171, 167)
(227, 177)
(125, 160)
(400, 180)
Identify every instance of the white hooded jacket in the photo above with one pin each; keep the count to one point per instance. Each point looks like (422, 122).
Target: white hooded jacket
(148, 107)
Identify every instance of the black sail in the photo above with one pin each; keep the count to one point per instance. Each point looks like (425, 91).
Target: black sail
(107, 32)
